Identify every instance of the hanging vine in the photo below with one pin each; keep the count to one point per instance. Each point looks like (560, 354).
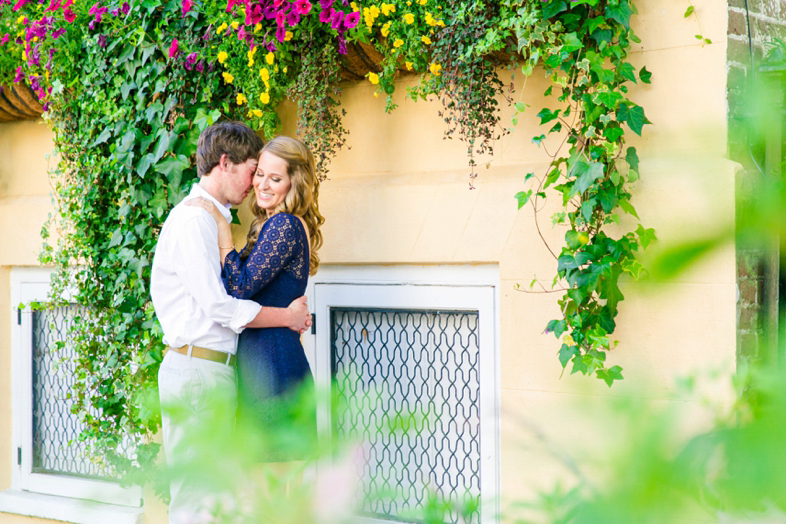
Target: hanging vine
(152, 74)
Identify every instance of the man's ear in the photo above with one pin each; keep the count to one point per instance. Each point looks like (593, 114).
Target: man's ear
(224, 161)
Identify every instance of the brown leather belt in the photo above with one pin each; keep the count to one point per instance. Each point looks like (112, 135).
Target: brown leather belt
(206, 354)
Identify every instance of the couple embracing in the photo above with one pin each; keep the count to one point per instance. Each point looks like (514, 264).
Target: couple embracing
(232, 320)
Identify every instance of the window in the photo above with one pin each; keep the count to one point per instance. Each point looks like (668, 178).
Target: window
(416, 347)
(49, 461)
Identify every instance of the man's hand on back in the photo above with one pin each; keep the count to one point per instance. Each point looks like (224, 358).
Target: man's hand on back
(300, 318)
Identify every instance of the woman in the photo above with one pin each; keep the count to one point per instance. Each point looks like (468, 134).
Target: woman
(273, 270)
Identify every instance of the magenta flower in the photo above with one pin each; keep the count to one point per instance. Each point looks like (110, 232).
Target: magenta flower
(200, 66)
(277, 3)
(326, 15)
(58, 33)
(20, 4)
(231, 4)
(173, 49)
(281, 19)
(102, 41)
(186, 5)
(342, 42)
(125, 9)
(351, 20)
(336, 20)
(293, 18)
(241, 33)
(281, 34)
(69, 15)
(325, 3)
(54, 5)
(302, 7)
(19, 75)
(4, 41)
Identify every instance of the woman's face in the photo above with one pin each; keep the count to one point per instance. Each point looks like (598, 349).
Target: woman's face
(271, 181)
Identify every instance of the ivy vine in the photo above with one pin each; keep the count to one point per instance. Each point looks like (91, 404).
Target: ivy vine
(153, 73)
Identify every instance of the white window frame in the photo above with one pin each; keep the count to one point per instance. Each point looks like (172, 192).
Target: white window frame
(418, 287)
(64, 497)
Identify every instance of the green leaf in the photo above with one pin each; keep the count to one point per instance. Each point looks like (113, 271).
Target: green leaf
(523, 197)
(632, 158)
(628, 207)
(646, 236)
(645, 75)
(103, 137)
(172, 167)
(557, 327)
(627, 71)
(521, 106)
(587, 208)
(593, 172)
(689, 11)
(566, 353)
(610, 375)
(620, 13)
(571, 42)
(144, 165)
(546, 115)
(609, 99)
(633, 116)
(613, 133)
(552, 8)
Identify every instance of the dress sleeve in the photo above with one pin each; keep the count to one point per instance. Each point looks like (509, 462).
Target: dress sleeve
(276, 247)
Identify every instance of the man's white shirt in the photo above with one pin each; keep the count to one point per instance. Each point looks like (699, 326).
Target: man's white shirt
(188, 294)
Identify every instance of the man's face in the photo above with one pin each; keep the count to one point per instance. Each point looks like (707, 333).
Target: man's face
(238, 180)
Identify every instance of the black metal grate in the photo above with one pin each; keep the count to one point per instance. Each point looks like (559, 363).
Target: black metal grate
(416, 371)
(56, 445)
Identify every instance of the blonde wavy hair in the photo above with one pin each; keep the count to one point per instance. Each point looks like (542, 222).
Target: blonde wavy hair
(301, 200)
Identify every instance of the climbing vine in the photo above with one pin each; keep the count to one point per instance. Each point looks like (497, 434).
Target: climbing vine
(128, 86)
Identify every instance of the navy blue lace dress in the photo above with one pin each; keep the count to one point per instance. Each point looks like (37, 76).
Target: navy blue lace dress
(275, 385)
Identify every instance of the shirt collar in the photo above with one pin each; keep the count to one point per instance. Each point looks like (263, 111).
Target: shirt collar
(198, 191)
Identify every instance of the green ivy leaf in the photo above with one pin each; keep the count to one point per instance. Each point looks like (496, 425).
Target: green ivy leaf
(546, 115)
(632, 158)
(689, 11)
(620, 13)
(103, 137)
(571, 42)
(566, 353)
(552, 8)
(645, 75)
(172, 168)
(626, 71)
(633, 116)
(610, 375)
(646, 235)
(523, 197)
(557, 327)
(593, 172)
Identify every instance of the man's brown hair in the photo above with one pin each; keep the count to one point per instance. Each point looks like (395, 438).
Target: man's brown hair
(236, 139)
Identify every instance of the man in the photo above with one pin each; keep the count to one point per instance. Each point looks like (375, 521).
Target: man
(200, 320)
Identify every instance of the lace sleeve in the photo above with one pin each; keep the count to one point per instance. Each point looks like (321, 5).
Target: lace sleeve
(277, 244)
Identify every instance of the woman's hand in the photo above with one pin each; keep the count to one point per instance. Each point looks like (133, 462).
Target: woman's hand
(208, 206)
(225, 241)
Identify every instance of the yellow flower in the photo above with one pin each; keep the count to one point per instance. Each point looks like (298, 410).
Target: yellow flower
(285, 69)
(241, 99)
(409, 3)
(354, 6)
(264, 74)
(435, 69)
(409, 65)
(287, 36)
(235, 24)
(398, 43)
(251, 52)
(20, 19)
(430, 19)
(258, 28)
(388, 8)
(228, 78)
(376, 95)
(264, 98)
(222, 57)
(35, 39)
(269, 58)
(426, 40)
(385, 29)
(257, 113)
(422, 2)
(409, 18)
(374, 11)
(373, 78)
(250, 62)
(220, 29)
(24, 56)
(440, 23)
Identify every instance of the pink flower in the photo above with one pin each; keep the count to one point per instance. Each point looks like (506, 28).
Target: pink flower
(19, 75)
(241, 34)
(69, 15)
(173, 49)
(5, 39)
(231, 4)
(336, 20)
(326, 15)
(281, 34)
(302, 7)
(54, 5)
(187, 4)
(352, 20)
(20, 4)
(281, 19)
(293, 18)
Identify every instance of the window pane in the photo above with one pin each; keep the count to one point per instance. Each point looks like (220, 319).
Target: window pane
(410, 362)
(56, 446)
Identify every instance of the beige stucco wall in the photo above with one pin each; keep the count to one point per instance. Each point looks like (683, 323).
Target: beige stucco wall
(399, 195)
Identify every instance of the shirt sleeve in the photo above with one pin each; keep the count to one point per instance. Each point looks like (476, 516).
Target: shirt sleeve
(199, 270)
(276, 246)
